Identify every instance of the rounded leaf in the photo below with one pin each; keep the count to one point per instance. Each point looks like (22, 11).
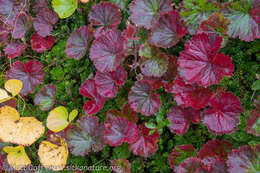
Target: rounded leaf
(201, 63)
(78, 42)
(142, 99)
(107, 51)
(64, 8)
(223, 116)
(146, 144)
(21, 25)
(13, 50)
(57, 119)
(190, 165)
(30, 73)
(168, 30)
(144, 13)
(253, 122)
(45, 98)
(13, 86)
(41, 44)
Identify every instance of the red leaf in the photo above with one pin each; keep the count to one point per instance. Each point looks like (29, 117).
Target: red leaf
(106, 15)
(223, 117)
(85, 136)
(190, 94)
(181, 118)
(190, 165)
(201, 63)
(107, 51)
(180, 153)
(13, 50)
(44, 21)
(126, 112)
(41, 44)
(168, 30)
(21, 25)
(244, 159)
(89, 89)
(141, 99)
(30, 73)
(144, 13)
(78, 42)
(253, 120)
(107, 83)
(146, 145)
(119, 130)
(215, 148)
(121, 166)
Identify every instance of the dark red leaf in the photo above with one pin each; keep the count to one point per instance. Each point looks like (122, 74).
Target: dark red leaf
(244, 159)
(41, 44)
(180, 119)
(190, 94)
(45, 98)
(215, 148)
(106, 15)
(107, 83)
(78, 42)
(190, 165)
(121, 166)
(126, 112)
(146, 145)
(119, 130)
(168, 30)
(13, 50)
(11, 102)
(44, 21)
(21, 25)
(253, 120)
(144, 13)
(180, 153)
(142, 99)
(201, 63)
(89, 89)
(30, 73)
(223, 116)
(107, 51)
(87, 135)
(39, 5)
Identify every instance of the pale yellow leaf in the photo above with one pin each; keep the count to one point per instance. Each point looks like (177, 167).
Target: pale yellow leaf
(14, 86)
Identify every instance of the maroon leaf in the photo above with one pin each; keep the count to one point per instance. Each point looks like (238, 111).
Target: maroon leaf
(3, 33)
(142, 99)
(121, 166)
(87, 135)
(126, 112)
(168, 30)
(155, 66)
(201, 63)
(216, 149)
(146, 145)
(223, 116)
(89, 89)
(30, 73)
(39, 5)
(21, 25)
(41, 44)
(45, 98)
(13, 50)
(180, 153)
(180, 119)
(144, 13)
(190, 165)
(78, 42)
(244, 159)
(107, 83)
(119, 130)
(253, 120)
(190, 94)
(107, 51)
(105, 14)
(11, 102)
(44, 21)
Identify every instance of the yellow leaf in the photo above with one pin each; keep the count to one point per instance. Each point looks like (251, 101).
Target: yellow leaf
(53, 156)
(17, 157)
(3, 96)
(58, 119)
(22, 131)
(84, 1)
(14, 86)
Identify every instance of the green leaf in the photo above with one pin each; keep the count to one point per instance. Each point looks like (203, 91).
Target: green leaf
(73, 114)
(256, 85)
(64, 8)
(150, 125)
